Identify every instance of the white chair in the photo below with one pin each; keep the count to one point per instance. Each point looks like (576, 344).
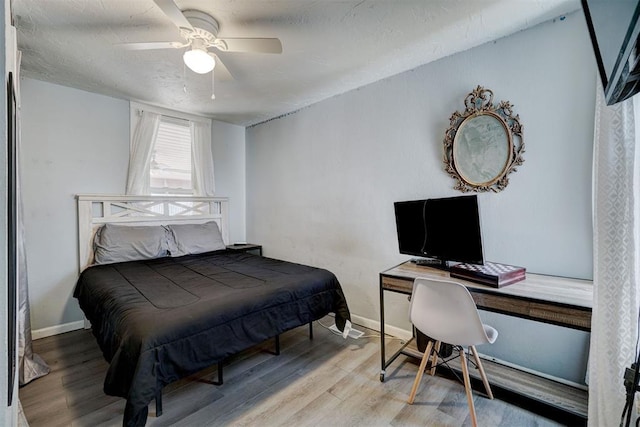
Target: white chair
(446, 312)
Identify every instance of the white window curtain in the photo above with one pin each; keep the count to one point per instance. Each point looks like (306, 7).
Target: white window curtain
(140, 154)
(614, 324)
(202, 159)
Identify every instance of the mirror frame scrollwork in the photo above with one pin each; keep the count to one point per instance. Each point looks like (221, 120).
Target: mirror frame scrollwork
(483, 144)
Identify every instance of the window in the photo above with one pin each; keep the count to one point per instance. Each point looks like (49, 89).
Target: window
(170, 170)
(170, 154)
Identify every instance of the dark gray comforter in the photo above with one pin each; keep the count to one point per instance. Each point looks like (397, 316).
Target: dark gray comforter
(159, 320)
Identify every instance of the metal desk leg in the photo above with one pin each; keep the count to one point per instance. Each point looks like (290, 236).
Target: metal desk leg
(382, 337)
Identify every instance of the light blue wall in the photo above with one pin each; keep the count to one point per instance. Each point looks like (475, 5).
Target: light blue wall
(321, 182)
(72, 142)
(229, 158)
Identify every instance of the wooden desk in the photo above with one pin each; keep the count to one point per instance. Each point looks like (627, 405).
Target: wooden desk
(556, 300)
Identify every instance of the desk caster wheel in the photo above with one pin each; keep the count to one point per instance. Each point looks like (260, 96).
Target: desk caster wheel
(382, 376)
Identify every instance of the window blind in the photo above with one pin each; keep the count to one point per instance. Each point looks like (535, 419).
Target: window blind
(170, 169)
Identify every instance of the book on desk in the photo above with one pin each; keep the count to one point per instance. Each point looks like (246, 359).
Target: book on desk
(491, 273)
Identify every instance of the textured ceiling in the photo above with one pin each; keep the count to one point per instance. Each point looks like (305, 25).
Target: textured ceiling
(329, 47)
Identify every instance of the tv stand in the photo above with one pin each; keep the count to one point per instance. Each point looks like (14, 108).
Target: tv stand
(431, 262)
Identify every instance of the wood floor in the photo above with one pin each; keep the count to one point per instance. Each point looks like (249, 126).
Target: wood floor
(328, 381)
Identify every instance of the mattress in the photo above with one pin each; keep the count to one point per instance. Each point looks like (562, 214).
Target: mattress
(160, 320)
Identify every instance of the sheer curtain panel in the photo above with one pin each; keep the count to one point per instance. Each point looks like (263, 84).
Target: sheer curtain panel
(202, 159)
(614, 324)
(140, 155)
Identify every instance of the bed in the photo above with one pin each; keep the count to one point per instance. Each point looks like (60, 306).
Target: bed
(162, 318)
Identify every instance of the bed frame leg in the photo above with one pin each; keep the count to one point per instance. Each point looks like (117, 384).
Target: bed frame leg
(310, 330)
(158, 402)
(277, 345)
(220, 381)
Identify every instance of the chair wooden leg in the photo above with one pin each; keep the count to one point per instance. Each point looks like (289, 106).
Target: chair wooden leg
(423, 364)
(467, 387)
(485, 381)
(434, 359)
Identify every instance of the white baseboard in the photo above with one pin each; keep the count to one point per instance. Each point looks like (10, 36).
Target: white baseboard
(375, 325)
(58, 329)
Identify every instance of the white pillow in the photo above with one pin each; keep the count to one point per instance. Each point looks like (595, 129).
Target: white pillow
(120, 243)
(195, 238)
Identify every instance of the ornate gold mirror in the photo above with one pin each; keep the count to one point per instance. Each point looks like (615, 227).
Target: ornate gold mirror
(483, 144)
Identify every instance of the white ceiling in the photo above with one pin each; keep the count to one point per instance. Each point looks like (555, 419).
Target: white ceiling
(329, 47)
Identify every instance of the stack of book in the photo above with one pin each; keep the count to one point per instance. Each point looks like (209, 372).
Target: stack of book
(491, 273)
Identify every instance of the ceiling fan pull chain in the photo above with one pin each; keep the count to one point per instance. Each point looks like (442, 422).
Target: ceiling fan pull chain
(184, 77)
(213, 94)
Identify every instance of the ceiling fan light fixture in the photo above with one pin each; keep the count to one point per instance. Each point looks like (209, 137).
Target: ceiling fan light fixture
(199, 61)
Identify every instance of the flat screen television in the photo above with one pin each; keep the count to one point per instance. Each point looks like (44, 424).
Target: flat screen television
(614, 29)
(444, 230)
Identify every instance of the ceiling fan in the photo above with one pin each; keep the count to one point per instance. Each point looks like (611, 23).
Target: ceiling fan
(200, 30)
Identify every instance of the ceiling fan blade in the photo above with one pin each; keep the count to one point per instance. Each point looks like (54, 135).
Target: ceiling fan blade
(174, 13)
(221, 71)
(151, 45)
(251, 45)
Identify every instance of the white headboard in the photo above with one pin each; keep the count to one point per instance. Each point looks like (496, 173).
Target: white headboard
(95, 210)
